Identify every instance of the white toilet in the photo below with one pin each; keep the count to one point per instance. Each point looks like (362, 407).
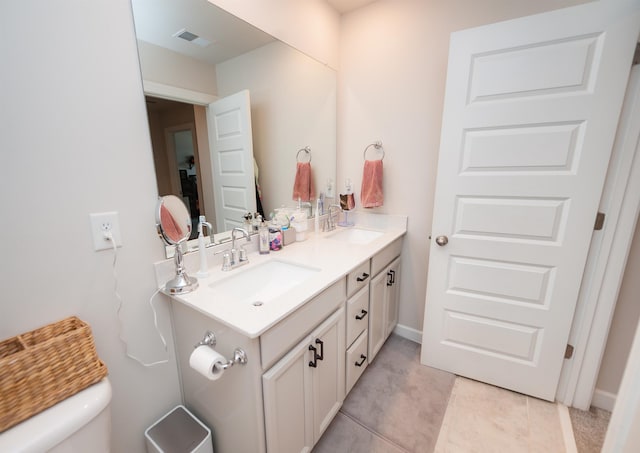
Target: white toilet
(80, 423)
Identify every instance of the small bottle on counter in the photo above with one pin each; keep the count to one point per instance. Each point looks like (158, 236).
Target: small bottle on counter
(275, 237)
(263, 239)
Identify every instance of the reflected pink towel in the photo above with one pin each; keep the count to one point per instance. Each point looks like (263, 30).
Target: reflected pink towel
(303, 185)
(371, 194)
(169, 225)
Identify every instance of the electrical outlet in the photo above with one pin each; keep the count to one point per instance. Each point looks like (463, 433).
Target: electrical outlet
(101, 225)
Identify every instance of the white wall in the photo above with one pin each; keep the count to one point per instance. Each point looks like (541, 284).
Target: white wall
(75, 141)
(171, 68)
(311, 26)
(393, 57)
(293, 105)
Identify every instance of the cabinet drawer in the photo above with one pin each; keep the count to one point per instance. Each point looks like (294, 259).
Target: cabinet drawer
(358, 278)
(281, 337)
(385, 256)
(356, 360)
(357, 314)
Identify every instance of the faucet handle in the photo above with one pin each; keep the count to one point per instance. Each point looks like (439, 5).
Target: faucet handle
(226, 261)
(242, 254)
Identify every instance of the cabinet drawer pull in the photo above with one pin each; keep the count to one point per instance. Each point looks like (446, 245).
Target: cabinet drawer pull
(391, 277)
(321, 356)
(363, 277)
(313, 363)
(362, 359)
(361, 316)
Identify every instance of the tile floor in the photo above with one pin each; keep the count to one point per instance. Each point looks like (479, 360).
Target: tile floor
(417, 409)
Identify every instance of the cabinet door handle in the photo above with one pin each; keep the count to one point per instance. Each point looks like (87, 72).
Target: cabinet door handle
(389, 279)
(321, 356)
(361, 316)
(363, 277)
(313, 363)
(393, 276)
(362, 359)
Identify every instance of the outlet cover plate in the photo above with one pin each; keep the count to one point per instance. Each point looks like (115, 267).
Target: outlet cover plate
(101, 222)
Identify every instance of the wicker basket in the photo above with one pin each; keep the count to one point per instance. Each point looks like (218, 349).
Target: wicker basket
(41, 368)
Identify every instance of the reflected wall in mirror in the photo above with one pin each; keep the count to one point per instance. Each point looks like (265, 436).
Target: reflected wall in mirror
(293, 98)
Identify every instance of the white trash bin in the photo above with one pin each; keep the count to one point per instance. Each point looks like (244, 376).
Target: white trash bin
(179, 431)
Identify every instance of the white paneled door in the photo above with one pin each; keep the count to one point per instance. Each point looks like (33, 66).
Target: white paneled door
(231, 144)
(530, 114)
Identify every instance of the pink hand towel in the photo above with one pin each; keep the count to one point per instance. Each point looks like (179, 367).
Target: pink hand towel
(169, 225)
(371, 194)
(303, 185)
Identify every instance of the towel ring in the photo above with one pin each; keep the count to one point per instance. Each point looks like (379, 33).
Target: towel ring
(376, 145)
(307, 150)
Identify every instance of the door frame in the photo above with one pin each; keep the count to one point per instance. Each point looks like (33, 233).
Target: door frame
(606, 262)
(172, 93)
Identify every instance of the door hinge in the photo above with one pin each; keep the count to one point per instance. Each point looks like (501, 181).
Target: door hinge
(599, 221)
(568, 353)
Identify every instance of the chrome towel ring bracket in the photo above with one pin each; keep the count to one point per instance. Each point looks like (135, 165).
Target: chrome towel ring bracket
(307, 150)
(377, 145)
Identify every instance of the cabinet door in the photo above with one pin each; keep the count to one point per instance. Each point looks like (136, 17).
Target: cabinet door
(393, 296)
(287, 402)
(328, 377)
(377, 313)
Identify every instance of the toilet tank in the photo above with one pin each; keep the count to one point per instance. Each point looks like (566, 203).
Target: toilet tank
(79, 423)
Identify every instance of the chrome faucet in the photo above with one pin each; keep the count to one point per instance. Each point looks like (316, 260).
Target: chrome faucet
(238, 255)
(235, 257)
(330, 225)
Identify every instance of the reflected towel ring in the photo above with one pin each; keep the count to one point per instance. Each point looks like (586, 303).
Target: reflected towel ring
(376, 145)
(307, 150)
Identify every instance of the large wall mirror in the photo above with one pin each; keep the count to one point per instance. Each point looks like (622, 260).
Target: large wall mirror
(194, 55)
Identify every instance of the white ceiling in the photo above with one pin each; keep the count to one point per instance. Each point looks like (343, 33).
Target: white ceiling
(156, 22)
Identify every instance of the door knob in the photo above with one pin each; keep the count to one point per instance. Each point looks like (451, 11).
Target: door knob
(442, 240)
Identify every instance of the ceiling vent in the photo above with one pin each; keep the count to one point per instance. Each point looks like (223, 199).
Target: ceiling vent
(191, 37)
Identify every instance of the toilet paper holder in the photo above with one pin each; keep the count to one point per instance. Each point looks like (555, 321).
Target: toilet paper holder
(239, 356)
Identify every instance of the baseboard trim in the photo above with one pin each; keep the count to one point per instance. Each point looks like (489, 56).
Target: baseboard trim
(603, 400)
(567, 429)
(409, 333)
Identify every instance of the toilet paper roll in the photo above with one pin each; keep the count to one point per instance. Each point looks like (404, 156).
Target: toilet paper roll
(204, 359)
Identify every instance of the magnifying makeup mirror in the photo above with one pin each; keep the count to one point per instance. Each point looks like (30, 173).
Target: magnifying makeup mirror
(174, 227)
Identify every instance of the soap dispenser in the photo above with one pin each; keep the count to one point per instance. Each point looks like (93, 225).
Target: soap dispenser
(347, 203)
(203, 272)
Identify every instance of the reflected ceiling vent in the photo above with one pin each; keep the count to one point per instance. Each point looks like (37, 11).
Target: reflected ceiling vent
(191, 37)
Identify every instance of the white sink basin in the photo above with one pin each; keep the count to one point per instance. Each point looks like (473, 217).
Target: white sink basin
(261, 284)
(355, 235)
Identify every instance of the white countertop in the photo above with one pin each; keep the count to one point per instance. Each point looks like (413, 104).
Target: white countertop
(332, 258)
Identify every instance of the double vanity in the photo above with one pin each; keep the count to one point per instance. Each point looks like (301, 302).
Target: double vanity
(309, 317)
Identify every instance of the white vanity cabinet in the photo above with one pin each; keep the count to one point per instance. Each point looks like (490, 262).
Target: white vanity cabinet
(304, 390)
(301, 365)
(383, 296)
